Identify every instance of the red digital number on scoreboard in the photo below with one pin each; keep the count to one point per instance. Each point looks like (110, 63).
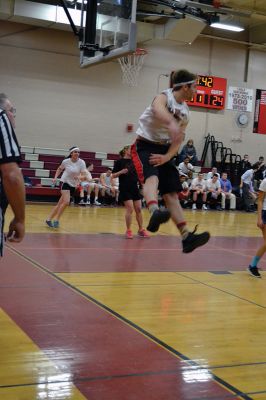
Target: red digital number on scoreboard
(211, 92)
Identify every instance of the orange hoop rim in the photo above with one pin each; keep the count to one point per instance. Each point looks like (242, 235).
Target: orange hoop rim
(140, 52)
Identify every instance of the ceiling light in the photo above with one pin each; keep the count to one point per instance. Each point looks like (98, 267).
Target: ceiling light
(227, 27)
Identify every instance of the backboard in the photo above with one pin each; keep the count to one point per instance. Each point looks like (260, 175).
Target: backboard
(108, 30)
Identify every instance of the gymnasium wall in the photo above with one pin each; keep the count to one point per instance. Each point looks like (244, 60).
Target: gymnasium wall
(60, 105)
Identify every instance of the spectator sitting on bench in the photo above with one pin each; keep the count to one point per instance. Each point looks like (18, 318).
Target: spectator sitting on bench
(87, 184)
(226, 187)
(185, 194)
(186, 167)
(214, 192)
(198, 187)
(108, 185)
(189, 151)
(212, 172)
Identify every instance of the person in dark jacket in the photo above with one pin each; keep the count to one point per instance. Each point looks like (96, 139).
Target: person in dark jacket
(189, 151)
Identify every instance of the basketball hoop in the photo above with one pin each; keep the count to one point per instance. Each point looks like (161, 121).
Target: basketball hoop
(131, 66)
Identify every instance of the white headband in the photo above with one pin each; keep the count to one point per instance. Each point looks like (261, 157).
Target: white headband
(74, 149)
(184, 83)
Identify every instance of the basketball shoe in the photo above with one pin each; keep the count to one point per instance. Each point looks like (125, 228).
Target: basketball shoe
(194, 240)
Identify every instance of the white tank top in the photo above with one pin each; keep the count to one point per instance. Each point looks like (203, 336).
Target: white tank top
(154, 130)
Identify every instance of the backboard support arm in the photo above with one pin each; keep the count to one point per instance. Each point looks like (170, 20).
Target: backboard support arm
(73, 26)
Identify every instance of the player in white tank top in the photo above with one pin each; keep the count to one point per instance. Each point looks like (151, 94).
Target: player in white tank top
(154, 129)
(160, 133)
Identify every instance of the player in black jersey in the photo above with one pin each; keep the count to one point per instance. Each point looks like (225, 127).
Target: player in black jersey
(129, 191)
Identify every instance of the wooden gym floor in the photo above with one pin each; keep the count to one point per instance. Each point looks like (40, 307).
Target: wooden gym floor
(87, 314)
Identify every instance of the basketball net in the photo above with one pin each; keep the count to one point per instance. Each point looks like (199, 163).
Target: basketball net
(131, 66)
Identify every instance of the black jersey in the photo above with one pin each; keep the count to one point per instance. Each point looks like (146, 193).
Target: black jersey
(126, 180)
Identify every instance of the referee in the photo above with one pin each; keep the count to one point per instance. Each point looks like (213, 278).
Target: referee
(12, 190)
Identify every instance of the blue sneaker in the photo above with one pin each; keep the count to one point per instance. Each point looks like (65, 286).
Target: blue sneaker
(56, 224)
(49, 223)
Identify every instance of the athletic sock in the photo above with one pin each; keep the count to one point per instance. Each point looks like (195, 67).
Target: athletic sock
(182, 227)
(152, 206)
(255, 261)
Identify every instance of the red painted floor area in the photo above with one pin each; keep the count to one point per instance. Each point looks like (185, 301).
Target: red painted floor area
(107, 253)
(106, 358)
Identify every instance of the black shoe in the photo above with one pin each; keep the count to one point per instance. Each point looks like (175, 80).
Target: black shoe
(254, 271)
(157, 218)
(193, 240)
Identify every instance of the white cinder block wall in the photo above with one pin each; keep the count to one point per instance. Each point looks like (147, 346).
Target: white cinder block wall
(60, 105)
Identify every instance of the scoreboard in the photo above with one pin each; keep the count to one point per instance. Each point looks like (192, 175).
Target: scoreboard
(211, 92)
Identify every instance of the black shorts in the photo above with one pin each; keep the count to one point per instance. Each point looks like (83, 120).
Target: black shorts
(167, 173)
(130, 193)
(263, 216)
(66, 186)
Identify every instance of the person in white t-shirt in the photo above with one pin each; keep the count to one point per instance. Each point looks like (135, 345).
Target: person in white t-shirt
(261, 223)
(89, 185)
(214, 191)
(186, 167)
(212, 172)
(198, 187)
(109, 185)
(72, 167)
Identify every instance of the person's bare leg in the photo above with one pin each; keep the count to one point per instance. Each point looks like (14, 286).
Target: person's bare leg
(56, 208)
(253, 267)
(139, 218)
(129, 211)
(63, 204)
(177, 215)
(262, 249)
(96, 191)
(150, 193)
(81, 195)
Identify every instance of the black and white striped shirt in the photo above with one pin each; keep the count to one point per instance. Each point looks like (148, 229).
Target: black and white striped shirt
(9, 152)
(9, 148)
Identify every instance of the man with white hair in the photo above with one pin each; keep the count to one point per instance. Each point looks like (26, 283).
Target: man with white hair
(12, 187)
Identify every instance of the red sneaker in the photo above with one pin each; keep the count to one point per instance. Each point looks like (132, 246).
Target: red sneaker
(143, 233)
(129, 234)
